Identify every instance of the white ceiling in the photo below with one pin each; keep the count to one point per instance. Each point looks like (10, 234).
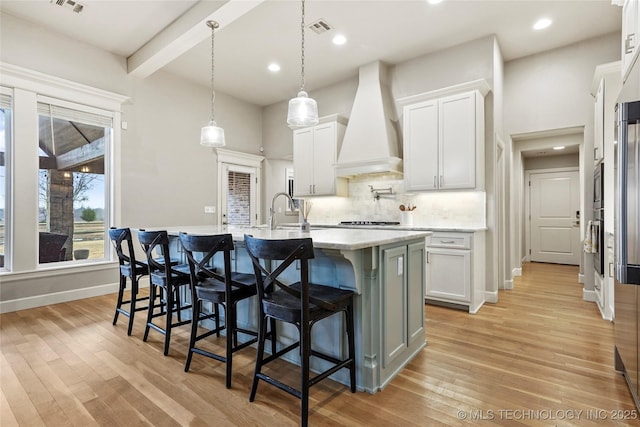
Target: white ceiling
(157, 34)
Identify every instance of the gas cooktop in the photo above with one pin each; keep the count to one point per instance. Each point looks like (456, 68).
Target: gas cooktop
(369, 223)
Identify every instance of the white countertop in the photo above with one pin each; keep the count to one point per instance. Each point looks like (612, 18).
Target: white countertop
(326, 238)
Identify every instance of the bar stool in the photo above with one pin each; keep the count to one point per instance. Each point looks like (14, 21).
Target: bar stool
(208, 285)
(301, 304)
(129, 268)
(166, 280)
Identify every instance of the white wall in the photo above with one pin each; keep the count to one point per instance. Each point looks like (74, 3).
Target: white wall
(545, 92)
(552, 162)
(166, 176)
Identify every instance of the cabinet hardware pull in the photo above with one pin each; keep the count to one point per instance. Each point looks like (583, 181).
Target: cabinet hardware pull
(427, 257)
(435, 183)
(441, 181)
(448, 241)
(314, 189)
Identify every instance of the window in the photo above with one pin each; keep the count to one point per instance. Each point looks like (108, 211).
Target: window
(5, 144)
(73, 143)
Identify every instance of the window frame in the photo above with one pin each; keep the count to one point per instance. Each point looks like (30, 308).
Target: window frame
(28, 88)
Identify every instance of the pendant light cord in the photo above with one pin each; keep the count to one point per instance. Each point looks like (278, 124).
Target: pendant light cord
(213, 25)
(302, 50)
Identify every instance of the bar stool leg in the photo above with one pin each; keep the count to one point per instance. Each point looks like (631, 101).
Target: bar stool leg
(123, 283)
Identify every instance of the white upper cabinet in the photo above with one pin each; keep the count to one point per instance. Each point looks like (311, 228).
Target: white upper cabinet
(315, 151)
(598, 123)
(444, 138)
(630, 35)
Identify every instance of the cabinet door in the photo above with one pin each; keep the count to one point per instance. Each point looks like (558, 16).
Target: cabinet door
(457, 128)
(415, 291)
(303, 150)
(324, 159)
(449, 274)
(598, 124)
(394, 303)
(421, 146)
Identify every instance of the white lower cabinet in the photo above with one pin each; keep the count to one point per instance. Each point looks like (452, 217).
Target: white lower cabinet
(455, 270)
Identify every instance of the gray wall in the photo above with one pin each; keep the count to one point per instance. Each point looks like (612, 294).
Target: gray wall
(166, 176)
(545, 93)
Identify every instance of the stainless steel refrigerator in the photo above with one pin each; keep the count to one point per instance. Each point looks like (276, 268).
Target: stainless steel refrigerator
(627, 248)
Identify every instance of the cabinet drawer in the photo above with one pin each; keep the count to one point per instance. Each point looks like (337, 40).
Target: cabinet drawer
(449, 240)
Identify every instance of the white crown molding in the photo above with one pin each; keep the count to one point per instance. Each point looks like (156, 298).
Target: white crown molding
(480, 85)
(44, 84)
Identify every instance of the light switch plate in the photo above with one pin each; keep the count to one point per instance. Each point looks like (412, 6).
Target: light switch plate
(210, 209)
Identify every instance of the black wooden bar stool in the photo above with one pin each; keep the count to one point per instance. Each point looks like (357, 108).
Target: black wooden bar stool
(209, 285)
(166, 280)
(301, 304)
(131, 269)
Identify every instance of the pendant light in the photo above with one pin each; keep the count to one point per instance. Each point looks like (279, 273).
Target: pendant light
(212, 135)
(303, 111)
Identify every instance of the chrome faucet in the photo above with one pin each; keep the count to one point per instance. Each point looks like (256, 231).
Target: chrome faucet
(272, 214)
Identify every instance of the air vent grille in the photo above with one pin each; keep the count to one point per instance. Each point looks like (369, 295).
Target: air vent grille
(320, 26)
(69, 4)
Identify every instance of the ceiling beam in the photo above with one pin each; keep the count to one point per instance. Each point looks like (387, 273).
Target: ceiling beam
(185, 33)
(81, 155)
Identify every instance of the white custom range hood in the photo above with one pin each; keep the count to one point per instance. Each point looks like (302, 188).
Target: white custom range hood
(370, 143)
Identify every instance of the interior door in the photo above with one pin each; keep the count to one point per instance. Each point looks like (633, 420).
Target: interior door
(238, 204)
(554, 227)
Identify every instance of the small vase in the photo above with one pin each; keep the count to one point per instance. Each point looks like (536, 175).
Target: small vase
(406, 218)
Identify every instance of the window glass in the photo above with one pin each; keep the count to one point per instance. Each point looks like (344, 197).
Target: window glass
(72, 189)
(5, 144)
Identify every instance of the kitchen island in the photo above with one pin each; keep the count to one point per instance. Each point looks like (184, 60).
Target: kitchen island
(385, 269)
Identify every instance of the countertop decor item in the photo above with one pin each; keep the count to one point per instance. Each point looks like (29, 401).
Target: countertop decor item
(303, 111)
(306, 209)
(212, 135)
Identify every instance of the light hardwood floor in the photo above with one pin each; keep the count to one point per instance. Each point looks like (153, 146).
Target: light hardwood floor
(538, 357)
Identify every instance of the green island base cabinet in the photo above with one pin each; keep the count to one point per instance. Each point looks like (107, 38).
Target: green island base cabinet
(385, 269)
(455, 270)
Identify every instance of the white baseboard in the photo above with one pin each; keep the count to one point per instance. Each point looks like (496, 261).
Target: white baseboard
(516, 272)
(508, 284)
(491, 296)
(580, 278)
(55, 298)
(588, 295)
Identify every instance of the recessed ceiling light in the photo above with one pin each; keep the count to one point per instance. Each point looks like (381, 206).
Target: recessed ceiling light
(542, 24)
(339, 40)
(559, 147)
(434, 1)
(273, 67)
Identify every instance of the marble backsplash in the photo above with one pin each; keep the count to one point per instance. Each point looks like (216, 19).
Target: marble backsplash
(433, 209)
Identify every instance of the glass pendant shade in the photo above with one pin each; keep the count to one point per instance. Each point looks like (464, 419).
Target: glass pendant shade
(303, 111)
(212, 135)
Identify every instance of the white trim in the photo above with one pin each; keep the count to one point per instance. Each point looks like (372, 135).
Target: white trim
(57, 297)
(491, 296)
(480, 85)
(580, 278)
(601, 70)
(547, 133)
(239, 158)
(589, 295)
(508, 284)
(516, 272)
(44, 84)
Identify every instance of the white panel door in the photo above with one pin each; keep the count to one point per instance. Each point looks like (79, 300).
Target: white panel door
(555, 232)
(457, 117)
(421, 146)
(303, 155)
(324, 158)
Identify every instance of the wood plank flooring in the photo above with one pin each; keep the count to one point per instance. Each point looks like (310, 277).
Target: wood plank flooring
(538, 357)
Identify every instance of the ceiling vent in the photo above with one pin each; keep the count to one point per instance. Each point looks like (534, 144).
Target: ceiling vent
(320, 26)
(69, 4)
